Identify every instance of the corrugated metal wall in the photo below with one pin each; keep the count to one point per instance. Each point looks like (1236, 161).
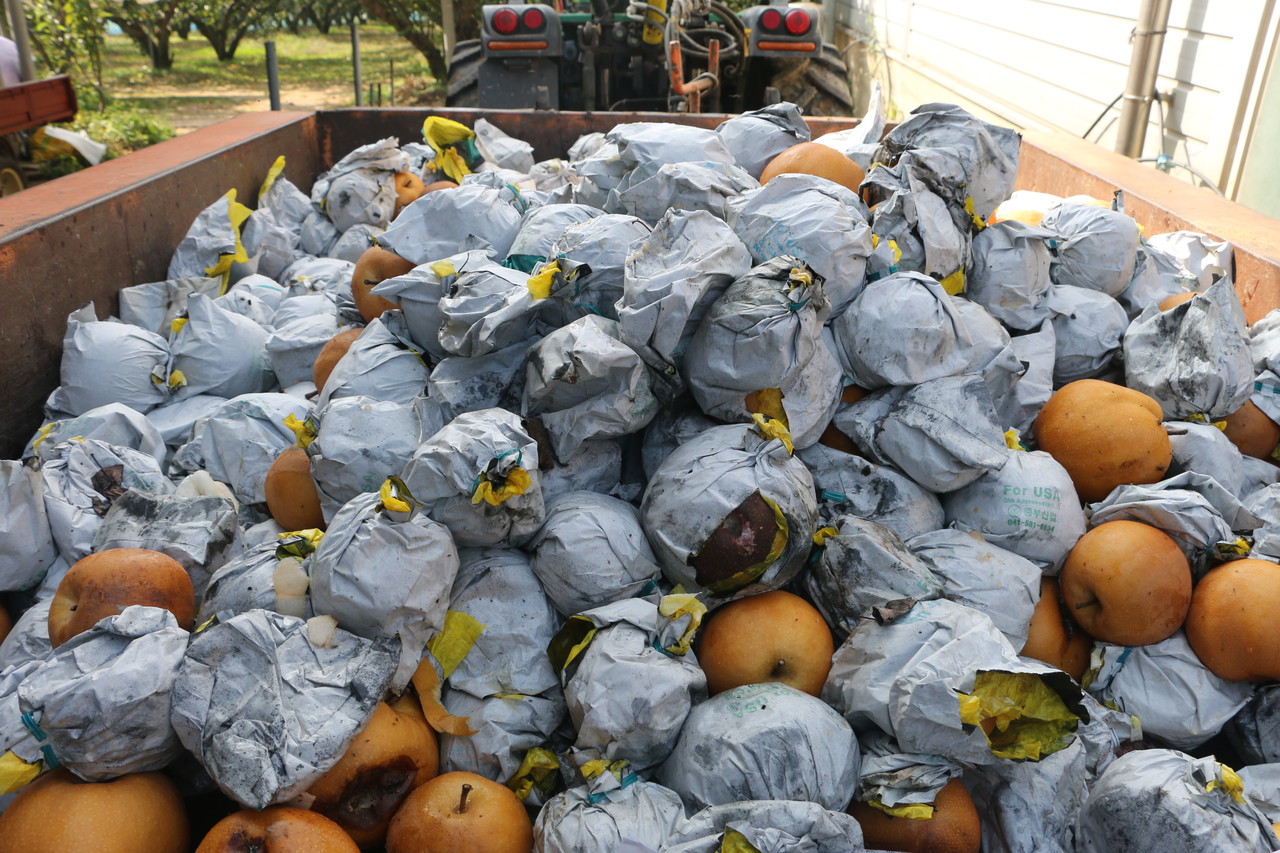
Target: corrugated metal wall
(1058, 65)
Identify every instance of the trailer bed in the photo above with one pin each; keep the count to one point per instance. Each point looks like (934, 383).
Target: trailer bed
(87, 235)
(40, 102)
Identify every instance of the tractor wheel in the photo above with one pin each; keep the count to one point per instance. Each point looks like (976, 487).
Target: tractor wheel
(464, 74)
(819, 84)
(10, 176)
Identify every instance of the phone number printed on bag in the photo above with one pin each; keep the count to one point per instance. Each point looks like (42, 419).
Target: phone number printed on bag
(1032, 507)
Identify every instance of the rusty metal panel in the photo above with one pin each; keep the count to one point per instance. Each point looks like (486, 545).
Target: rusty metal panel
(85, 236)
(550, 133)
(1064, 165)
(29, 105)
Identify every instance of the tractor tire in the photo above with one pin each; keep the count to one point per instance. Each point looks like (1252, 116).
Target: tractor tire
(11, 180)
(819, 84)
(464, 75)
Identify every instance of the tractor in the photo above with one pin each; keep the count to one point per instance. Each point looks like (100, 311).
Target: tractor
(661, 55)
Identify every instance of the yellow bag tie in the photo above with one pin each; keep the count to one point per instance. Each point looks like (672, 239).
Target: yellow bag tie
(1229, 782)
(822, 534)
(16, 774)
(455, 640)
(516, 482)
(440, 133)
(541, 283)
(304, 431)
(954, 283)
(237, 213)
(394, 495)
(301, 542)
(451, 163)
(570, 642)
(913, 811)
(1199, 418)
(674, 606)
(178, 324)
(43, 433)
(1239, 547)
(977, 220)
(592, 769)
(277, 168)
(177, 379)
(443, 269)
(579, 648)
(735, 842)
(536, 768)
(1013, 440)
(773, 428)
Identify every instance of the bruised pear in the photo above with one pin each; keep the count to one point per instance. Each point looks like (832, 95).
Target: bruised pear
(276, 829)
(742, 541)
(394, 754)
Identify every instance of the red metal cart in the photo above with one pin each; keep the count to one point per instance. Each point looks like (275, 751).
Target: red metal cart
(23, 108)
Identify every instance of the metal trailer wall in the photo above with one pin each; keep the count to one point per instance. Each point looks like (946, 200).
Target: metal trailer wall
(85, 236)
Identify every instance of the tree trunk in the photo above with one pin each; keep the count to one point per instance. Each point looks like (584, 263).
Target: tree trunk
(217, 39)
(138, 35)
(234, 43)
(410, 30)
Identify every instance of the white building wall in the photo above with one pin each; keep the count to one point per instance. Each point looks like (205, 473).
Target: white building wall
(1060, 65)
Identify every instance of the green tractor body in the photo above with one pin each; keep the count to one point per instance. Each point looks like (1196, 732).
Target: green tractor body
(697, 56)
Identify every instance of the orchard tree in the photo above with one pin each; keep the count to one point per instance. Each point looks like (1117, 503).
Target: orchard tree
(224, 23)
(68, 37)
(326, 14)
(414, 20)
(149, 25)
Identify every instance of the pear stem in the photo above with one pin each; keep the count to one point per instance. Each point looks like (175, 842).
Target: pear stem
(462, 801)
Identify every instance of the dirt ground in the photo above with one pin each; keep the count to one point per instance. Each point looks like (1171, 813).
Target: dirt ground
(187, 110)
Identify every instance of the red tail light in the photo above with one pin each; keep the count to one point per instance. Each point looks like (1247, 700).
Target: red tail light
(505, 21)
(798, 22)
(534, 19)
(771, 20)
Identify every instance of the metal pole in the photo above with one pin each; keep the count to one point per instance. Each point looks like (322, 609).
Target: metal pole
(21, 39)
(1151, 72)
(273, 76)
(450, 30)
(1136, 99)
(355, 58)
(830, 11)
(393, 82)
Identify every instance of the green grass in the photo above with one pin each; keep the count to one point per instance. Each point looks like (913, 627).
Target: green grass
(144, 106)
(309, 60)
